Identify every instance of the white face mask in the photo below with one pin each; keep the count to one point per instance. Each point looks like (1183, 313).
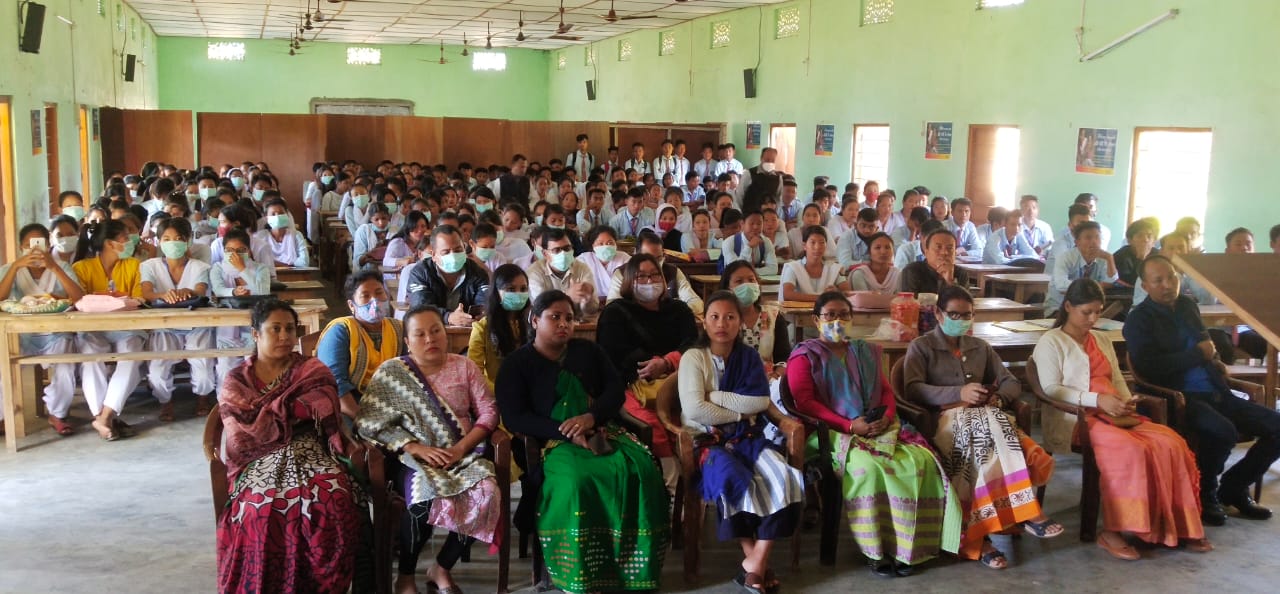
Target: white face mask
(767, 167)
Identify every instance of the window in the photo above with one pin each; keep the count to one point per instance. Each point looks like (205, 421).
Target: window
(991, 178)
(782, 137)
(561, 61)
(871, 154)
(364, 56)
(1170, 178)
(786, 22)
(624, 50)
(589, 56)
(720, 33)
(227, 51)
(489, 61)
(666, 43)
(102, 8)
(120, 17)
(133, 28)
(875, 12)
(997, 3)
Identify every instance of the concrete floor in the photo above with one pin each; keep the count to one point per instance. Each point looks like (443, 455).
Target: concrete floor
(81, 515)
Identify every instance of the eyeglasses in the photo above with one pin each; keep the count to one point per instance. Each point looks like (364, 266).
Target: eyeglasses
(649, 278)
(832, 316)
(956, 315)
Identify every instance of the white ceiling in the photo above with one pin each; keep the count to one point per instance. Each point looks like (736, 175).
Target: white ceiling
(421, 21)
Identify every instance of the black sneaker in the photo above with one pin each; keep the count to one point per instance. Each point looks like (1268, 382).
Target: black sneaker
(1245, 504)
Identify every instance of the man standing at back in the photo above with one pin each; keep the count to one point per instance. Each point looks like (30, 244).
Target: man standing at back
(727, 163)
(762, 181)
(513, 186)
(581, 159)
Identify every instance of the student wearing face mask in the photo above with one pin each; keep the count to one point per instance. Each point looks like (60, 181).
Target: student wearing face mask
(71, 203)
(177, 277)
(371, 239)
(288, 246)
(484, 239)
(353, 346)
(604, 259)
(156, 195)
(142, 251)
(64, 239)
(241, 216)
(313, 197)
(111, 270)
(357, 213)
(560, 271)
(505, 325)
(448, 280)
(39, 272)
(239, 274)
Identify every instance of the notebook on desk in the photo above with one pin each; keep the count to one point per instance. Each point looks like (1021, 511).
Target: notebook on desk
(1103, 325)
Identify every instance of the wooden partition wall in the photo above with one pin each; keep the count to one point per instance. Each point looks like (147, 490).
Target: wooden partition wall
(131, 137)
(652, 136)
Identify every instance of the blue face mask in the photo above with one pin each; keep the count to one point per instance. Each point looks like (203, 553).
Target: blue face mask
(954, 328)
(514, 300)
(452, 262)
(482, 208)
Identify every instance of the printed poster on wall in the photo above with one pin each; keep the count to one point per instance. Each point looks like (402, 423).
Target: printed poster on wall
(937, 140)
(824, 140)
(97, 123)
(1096, 151)
(753, 135)
(37, 135)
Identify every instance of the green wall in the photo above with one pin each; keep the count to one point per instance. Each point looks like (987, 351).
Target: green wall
(271, 81)
(1213, 66)
(91, 76)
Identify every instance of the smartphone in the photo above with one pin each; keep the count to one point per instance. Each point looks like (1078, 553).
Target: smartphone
(39, 243)
(874, 414)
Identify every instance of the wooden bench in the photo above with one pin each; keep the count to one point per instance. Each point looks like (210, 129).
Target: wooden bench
(295, 290)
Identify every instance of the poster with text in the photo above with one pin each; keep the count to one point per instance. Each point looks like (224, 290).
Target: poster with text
(937, 140)
(824, 140)
(37, 134)
(753, 135)
(1096, 151)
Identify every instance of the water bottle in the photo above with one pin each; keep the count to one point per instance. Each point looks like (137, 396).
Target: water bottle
(928, 312)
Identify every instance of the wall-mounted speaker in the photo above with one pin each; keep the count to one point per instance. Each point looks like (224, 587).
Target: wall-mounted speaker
(749, 82)
(32, 28)
(130, 62)
(591, 90)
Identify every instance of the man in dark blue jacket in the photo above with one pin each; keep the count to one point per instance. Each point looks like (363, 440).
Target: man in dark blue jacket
(1169, 346)
(449, 280)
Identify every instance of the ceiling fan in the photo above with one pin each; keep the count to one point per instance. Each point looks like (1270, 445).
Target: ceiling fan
(465, 53)
(488, 39)
(563, 28)
(612, 16)
(442, 61)
(520, 36)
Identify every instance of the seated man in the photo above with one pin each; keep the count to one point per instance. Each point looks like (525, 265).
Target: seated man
(559, 270)
(1005, 244)
(959, 225)
(448, 279)
(1039, 233)
(1169, 346)
(678, 286)
(910, 251)
(1076, 214)
(751, 245)
(854, 248)
(630, 220)
(1086, 260)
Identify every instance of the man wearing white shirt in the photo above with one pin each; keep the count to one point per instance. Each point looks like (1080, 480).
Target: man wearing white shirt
(1038, 233)
(637, 163)
(1086, 260)
(728, 163)
(1091, 201)
(581, 159)
(707, 166)
(683, 166)
(751, 245)
(964, 230)
(1076, 214)
(694, 195)
(611, 163)
(667, 163)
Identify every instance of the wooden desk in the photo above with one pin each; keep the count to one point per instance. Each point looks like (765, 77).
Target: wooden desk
(1013, 347)
(691, 268)
(1219, 315)
(1246, 284)
(1023, 284)
(460, 336)
(706, 284)
(986, 309)
(310, 289)
(17, 379)
(978, 273)
(286, 274)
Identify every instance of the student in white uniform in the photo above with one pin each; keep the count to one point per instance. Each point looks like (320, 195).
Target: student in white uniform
(879, 273)
(370, 241)
(1006, 244)
(484, 247)
(667, 163)
(810, 216)
(238, 276)
(38, 272)
(581, 159)
(288, 246)
(812, 274)
(173, 278)
(637, 163)
(751, 245)
(235, 217)
(313, 199)
(603, 258)
(358, 212)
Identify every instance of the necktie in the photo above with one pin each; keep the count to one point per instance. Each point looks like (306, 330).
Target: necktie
(1086, 271)
(635, 226)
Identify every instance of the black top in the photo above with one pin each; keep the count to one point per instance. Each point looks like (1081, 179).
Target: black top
(427, 288)
(763, 185)
(1161, 342)
(513, 188)
(671, 241)
(1128, 265)
(631, 334)
(526, 387)
(919, 277)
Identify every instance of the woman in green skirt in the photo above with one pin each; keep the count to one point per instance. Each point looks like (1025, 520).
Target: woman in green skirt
(603, 521)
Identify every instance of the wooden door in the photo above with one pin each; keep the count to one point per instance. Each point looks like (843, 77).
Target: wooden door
(991, 175)
(85, 152)
(9, 227)
(51, 153)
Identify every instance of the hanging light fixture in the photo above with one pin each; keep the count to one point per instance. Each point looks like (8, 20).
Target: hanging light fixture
(465, 53)
(488, 38)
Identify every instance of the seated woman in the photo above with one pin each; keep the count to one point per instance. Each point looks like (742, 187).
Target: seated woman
(879, 459)
(436, 410)
(285, 453)
(371, 239)
(354, 346)
(938, 270)
(699, 239)
(723, 393)
(505, 325)
(110, 269)
(811, 275)
(878, 274)
(644, 332)
(811, 215)
(177, 277)
(64, 238)
(39, 271)
(142, 251)
(604, 259)
(238, 275)
(1148, 475)
(288, 246)
(410, 244)
(601, 497)
(992, 464)
(762, 328)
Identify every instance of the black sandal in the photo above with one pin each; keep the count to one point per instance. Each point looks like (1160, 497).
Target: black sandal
(750, 582)
(902, 569)
(882, 569)
(989, 558)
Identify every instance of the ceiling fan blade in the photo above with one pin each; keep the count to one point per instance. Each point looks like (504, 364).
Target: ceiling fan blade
(637, 17)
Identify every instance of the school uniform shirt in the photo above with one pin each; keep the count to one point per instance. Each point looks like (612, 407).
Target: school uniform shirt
(705, 168)
(311, 198)
(664, 165)
(900, 236)
(1002, 250)
(587, 220)
(603, 271)
(330, 202)
(291, 250)
(225, 279)
(727, 166)
(493, 263)
(837, 228)
(690, 242)
(966, 235)
(780, 239)
(896, 221)
(984, 231)
(125, 277)
(153, 206)
(1039, 235)
(763, 257)
(795, 237)
(581, 162)
(906, 254)
(790, 213)
(259, 250)
(514, 248)
(852, 250)
(156, 272)
(639, 165)
(1070, 266)
(629, 226)
(1060, 246)
(396, 222)
(25, 284)
(356, 217)
(794, 273)
(695, 195)
(862, 279)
